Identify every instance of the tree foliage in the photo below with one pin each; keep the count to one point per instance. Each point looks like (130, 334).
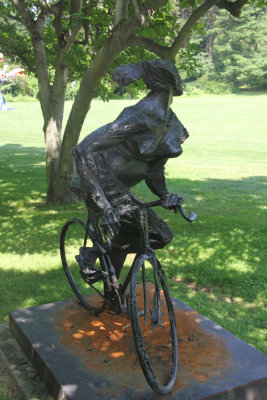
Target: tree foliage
(233, 50)
(240, 49)
(83, 40)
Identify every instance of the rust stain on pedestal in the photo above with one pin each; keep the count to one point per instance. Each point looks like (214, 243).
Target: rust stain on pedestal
(105, 344)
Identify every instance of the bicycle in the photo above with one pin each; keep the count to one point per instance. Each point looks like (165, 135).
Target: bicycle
(151, 311)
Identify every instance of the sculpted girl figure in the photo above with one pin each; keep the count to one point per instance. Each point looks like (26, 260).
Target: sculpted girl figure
(134, 147)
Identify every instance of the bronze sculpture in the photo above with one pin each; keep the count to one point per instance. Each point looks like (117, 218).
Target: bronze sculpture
(135, 147)
(109, 161)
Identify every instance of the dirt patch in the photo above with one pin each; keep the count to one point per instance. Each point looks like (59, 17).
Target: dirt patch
(105, 343)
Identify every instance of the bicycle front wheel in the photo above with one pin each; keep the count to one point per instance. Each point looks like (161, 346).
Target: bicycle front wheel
(72, 240)
(153, 325)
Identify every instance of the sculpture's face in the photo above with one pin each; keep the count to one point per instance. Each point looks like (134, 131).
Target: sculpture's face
(169, 73)
(158, 78)
(171, 90)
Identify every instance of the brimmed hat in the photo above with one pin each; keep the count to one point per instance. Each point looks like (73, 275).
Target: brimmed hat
(128, 73)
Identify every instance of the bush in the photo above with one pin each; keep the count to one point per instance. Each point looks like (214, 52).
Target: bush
(207, 86)
(20, 98)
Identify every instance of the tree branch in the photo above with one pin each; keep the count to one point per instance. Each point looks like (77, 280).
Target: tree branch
(195, 16)
(23, 10)
(150, 45)
(21, 54)
(75, 23)
(78, 8)
(39, 23)
(139, 16)
(57, 22)
(121, 8)
(234, 8)
(170, 52)
(14, 18)
(75, 8)
(147, 10)
(35, 28)
(50, 8)
(44, 5)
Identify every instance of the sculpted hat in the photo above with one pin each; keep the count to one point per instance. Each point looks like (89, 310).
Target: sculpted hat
(161, 70)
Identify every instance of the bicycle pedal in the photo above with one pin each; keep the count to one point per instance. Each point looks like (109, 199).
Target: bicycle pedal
(92, 276)
(123, 308)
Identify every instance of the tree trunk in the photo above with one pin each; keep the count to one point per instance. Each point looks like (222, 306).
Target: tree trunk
(52, 131)
(53, 128)
(80, 108)
(209, 45)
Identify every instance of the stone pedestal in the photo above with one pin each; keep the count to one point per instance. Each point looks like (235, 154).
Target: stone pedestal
(73, 353)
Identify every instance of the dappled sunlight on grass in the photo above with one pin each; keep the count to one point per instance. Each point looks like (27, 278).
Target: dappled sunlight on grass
(245, 319)
(216, 265)
(28, 225)
(222, 251)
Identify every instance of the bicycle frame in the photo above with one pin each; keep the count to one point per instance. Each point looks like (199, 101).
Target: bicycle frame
(115, 294)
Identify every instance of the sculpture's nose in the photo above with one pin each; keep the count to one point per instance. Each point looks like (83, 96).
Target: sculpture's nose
(179, 152)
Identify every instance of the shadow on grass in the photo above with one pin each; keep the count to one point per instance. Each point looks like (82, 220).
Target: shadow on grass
(28, 224)
(230, 212)
(53, 286)
(22, 175)
(225, 244)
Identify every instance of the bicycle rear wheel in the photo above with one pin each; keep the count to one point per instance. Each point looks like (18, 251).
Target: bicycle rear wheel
(74, 241)
(153, 325)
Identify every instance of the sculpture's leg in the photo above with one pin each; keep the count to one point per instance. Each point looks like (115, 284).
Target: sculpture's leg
(118, 257)
(160, 233)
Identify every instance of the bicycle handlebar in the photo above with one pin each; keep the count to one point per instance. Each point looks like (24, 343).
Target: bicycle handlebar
(190, 218)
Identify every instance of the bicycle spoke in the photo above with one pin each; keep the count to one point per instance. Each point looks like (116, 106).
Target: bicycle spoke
(81, 264)
(145, 293)
(156, 337)
(96, 290)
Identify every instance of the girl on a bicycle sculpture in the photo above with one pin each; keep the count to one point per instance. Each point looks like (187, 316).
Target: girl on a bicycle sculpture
(134, 147)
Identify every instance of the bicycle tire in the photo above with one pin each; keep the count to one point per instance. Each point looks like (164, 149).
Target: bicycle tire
(73, 281)
(142, 347)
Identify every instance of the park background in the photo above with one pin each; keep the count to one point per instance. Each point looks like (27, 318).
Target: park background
(223, 55)
(217, 265)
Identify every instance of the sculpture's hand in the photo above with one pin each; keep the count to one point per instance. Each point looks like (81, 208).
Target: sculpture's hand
(171, 201)
(111, 221)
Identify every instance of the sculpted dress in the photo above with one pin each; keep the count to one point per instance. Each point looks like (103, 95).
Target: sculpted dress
(135, 147)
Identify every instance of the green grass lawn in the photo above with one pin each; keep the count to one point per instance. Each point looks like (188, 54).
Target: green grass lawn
(216, 265)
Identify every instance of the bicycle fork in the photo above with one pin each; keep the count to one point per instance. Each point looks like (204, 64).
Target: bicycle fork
(150, 256)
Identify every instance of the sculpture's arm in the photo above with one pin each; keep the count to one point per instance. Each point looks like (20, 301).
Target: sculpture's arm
(155, 179)
(107, 136)
(156, 182)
